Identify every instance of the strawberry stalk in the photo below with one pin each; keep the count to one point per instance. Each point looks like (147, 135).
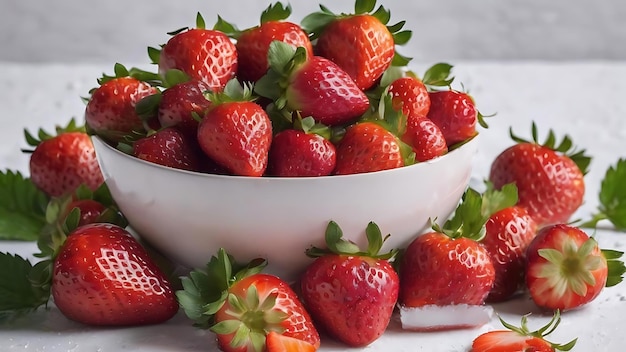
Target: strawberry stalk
(336, 244)
(541, 332)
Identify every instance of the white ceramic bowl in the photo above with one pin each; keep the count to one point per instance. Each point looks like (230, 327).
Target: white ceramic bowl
(188, 216)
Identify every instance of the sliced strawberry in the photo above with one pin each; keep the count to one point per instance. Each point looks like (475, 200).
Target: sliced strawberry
(277, 342)
(566, 269)
(361, 43)
(350, 292)
(520, 338)
(549, 177)
(102, 276)
(315, 86)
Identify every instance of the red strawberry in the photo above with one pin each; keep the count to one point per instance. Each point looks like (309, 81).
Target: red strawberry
(110, 111)
(169, 147)
(315, 86)
(411, 95)
(361, 43)
(446, 268)
(253, 43)
(90, 210)
(349, 292)
(277, 342)
(549, 179)
(425, 137)
(203, 54)
(180, 102)
(520, 338)
(566, 269)
(456, 115)
(305, 152)
(60, 164)
(236, 134)
(102, 276)
(247, 305)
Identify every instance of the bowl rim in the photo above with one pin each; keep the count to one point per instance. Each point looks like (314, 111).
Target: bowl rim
(471, 141)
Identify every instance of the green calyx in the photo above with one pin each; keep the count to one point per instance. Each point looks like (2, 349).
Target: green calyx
(541, 332)
(43, 135)
(233, 92)
(564, 147)
(336, 244)
(316, 22)
(274, 12)
(120, 70)
(206, 290)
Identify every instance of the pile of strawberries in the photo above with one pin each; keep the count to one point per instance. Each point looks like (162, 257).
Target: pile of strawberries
(329, 96)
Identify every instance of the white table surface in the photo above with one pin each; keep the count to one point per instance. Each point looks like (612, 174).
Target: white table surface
(584, 100)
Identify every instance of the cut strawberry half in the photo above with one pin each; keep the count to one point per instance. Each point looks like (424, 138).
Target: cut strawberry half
(276, 342)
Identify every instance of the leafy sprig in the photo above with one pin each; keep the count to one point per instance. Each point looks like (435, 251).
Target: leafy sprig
(22, 207)
(612, 198)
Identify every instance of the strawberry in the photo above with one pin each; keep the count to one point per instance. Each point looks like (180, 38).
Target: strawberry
(520, 338)
(242, 306)
(566, 269)
(508, 232)
(90, 210)
(361, 43)
(168, 147)
(549, 178)
(302, 152)
(315, 86)
(410, 95)
(253, 43)
(180, 102)
(110, 111)
(102, 276)
(60, 163)
(372, 145)
(236, 132)
(447, 268)
(456, 115)
(206, 55)
(350, 292)
(276, 342)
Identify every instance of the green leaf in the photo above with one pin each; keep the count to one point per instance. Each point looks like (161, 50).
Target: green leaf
(154, 54)
(468, 219)
(613, 195)
(438, 75)
(17, 294)
(496, 200)
(22, 207)
(616, 267)
(200, 24)
(364, 6)
(276, 12)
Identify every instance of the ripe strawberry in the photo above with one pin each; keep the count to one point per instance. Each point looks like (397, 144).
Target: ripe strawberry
(373, 145)
(411, 95)
(60, 164)
(203, 54)
(549, 178)
(168, 147)
(361, 43)
(508, 232)
(102, 276)
(446, 268)
(566, 269)
(456, 115)
(315, 86)
(350, 292)
(90, 210)
(520, 338)
(180, 102)
(253, 43)
(276, 342)
(425, 137)
(302, 152)
(242, 305)
(110, 112)
(236, 132)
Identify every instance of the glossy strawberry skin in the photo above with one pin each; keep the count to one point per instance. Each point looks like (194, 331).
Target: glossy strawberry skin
(411, 95)
(367, 147)
(298, 154)
(111, 109)
(361, 45)
(439, 270)
(298, 323)
(62, 163)
(90, 210)
(102, 276)
(203, 54)
(508, 234)
(277, 342)
(237, 136)
(253, 44)
(550, 185)
(455, 114)
(180, 102)
(425, 138)
(321, 89)
(553, 291)
(351, 297)
(508, 341)
(169, 147)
